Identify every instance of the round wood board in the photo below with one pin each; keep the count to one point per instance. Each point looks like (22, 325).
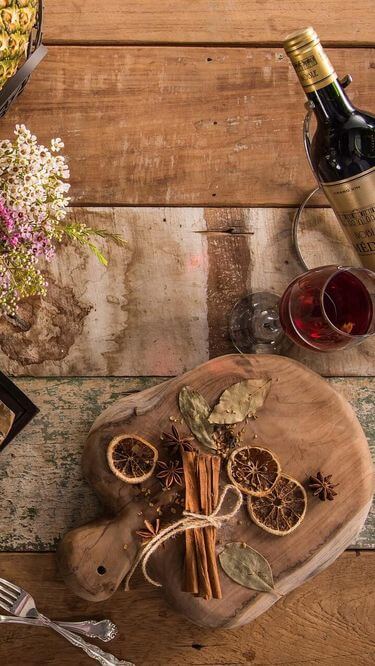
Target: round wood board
(304, 421)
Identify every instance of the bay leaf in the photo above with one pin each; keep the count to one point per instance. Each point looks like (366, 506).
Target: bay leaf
(240, 400)
(195, 411)
(246, 567)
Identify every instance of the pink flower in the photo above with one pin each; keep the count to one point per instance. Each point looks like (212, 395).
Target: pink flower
(25, 231)
(14, 240)
(42, 246)
(7, 216)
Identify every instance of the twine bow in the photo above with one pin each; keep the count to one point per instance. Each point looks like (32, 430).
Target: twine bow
(190, 521)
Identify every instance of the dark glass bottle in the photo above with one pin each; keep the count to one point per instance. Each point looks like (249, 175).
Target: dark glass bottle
(343, 147)
(344, 141)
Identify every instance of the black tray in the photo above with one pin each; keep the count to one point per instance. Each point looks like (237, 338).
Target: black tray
(35, 53)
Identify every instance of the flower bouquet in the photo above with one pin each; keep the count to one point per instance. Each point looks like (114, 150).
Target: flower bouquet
(34, 217)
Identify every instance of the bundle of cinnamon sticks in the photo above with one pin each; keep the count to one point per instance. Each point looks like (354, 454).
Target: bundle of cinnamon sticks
(201, 473)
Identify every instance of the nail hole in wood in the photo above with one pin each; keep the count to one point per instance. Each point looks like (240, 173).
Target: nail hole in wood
(209, 59)
(214, 194)
(101, 570)
(215, 122)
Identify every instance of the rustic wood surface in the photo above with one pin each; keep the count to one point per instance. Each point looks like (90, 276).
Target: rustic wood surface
(179, 125)
(308, 426)
(329, 620)
(162, 305)
(205, 21)
(46, 457)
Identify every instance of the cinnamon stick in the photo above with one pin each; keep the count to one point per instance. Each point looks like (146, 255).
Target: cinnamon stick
(214, 499)
(191, 583)
(201, 473)
(208, 473)
(196, 573)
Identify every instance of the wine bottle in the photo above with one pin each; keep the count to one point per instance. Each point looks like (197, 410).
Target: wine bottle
(343, 148)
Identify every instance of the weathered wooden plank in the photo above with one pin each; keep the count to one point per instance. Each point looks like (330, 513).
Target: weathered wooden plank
(44, 461)
(229, 243)
(329, 620)
(147, 310)
(162, 306)
(204, 21)
(179, 125)
(360, 393)
(250, 250)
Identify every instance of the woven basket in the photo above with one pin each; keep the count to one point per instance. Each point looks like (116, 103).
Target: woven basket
(35, 53)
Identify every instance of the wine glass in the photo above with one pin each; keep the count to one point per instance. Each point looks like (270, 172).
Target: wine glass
(325, 309)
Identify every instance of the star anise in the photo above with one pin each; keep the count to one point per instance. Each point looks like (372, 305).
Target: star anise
(171, 472)
(150, 532)
(175, 442)
(323, 487)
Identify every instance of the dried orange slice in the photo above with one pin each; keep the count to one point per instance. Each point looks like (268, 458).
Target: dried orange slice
(131, 458)
(253, 470)
(282, 510)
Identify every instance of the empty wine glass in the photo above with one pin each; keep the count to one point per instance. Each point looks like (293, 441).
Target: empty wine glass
(324, 309)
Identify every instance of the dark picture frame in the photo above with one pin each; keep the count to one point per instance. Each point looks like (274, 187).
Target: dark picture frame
(23, 408)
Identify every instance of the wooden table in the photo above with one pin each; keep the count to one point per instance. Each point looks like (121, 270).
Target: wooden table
(182, 121)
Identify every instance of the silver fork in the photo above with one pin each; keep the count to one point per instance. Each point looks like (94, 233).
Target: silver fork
(18, 602)
(104, 630)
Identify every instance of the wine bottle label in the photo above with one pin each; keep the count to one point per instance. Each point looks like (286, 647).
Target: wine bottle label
(353, 201)
(313, 67)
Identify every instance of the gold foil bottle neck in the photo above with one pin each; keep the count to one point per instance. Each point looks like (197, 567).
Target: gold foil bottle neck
(298, 40)
(309, 59)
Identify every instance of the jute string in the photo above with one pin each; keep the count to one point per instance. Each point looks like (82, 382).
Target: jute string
(190, 521)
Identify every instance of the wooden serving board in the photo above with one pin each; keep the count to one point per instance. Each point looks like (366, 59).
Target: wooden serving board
(303, 420)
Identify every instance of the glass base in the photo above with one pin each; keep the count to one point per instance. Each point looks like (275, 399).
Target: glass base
(255, 325)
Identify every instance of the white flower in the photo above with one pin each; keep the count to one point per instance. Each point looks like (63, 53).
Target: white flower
(57, 145)
(22, 131)
(34, 178)
(5, 146)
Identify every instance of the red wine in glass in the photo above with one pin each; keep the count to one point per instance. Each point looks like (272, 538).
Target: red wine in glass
(326, 309)
(329, 308)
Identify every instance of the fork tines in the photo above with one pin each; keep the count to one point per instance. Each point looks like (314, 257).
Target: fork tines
(8, 594)
(10, 585)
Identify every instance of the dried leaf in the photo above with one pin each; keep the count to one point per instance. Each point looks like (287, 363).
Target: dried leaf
(247, 567)
(240, 400)
(195, 411)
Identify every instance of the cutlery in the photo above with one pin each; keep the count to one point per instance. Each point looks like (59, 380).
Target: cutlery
(18, 602)
(105, 630)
